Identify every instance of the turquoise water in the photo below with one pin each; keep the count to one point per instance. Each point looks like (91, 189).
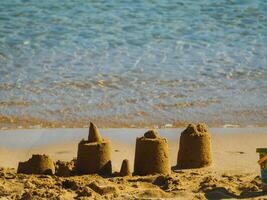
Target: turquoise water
(134, 62)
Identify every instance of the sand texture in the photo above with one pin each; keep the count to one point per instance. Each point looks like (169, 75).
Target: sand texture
(64, 168)
(188, 184)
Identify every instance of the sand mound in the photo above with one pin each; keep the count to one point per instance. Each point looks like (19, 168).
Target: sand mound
(195, 147)
(94, 154)
(199, 130)
(125, 168)
(37, 164)
(151, 134)
(188, 184)
(151, 154)
(65, 168)
(102, 188)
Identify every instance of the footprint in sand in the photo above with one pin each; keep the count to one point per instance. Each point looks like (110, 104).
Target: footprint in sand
(237, 152)
(62, 152)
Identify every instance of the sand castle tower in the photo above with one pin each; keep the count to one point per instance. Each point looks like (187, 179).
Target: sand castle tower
(125, 168)
(195, 147)
(151, 154)
(37, 164)
(94, 154)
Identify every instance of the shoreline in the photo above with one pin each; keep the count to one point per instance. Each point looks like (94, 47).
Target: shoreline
(18, 123)
(160, 127)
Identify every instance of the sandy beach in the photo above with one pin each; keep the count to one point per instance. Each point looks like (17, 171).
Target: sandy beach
(143, 72)
(234, 173)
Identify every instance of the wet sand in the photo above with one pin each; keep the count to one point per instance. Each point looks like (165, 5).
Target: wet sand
(234, 173)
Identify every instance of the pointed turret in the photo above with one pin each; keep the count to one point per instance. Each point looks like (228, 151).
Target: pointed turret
(94, 135)
(94, 154)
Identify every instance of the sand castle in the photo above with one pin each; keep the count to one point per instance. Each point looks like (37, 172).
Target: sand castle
(94, 154)
(37, 164)
(195, 147)
(151, 154)
(125, 168)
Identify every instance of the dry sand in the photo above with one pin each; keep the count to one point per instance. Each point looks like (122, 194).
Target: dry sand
(234, 173)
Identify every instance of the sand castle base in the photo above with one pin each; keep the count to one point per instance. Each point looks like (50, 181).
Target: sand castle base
(94, 154)
(151, 155)
(94, 158)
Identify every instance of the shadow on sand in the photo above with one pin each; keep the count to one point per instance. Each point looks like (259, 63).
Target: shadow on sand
(222, 193)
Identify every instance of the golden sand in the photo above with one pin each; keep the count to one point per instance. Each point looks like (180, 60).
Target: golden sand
(188, 184)
(235, 173)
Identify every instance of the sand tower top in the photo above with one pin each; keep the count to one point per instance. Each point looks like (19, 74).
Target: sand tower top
(94, 135)
(151, 134)
(196, 130)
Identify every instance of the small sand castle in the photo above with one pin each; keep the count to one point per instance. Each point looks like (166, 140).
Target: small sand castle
(151, 154)
(94, 154)
(37, 164)
(125, 168)
(65, 169)
(195, 147)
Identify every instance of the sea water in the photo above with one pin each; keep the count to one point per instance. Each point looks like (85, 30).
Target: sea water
(133, 63)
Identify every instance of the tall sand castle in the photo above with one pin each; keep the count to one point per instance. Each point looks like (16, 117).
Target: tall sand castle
(94, 154)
